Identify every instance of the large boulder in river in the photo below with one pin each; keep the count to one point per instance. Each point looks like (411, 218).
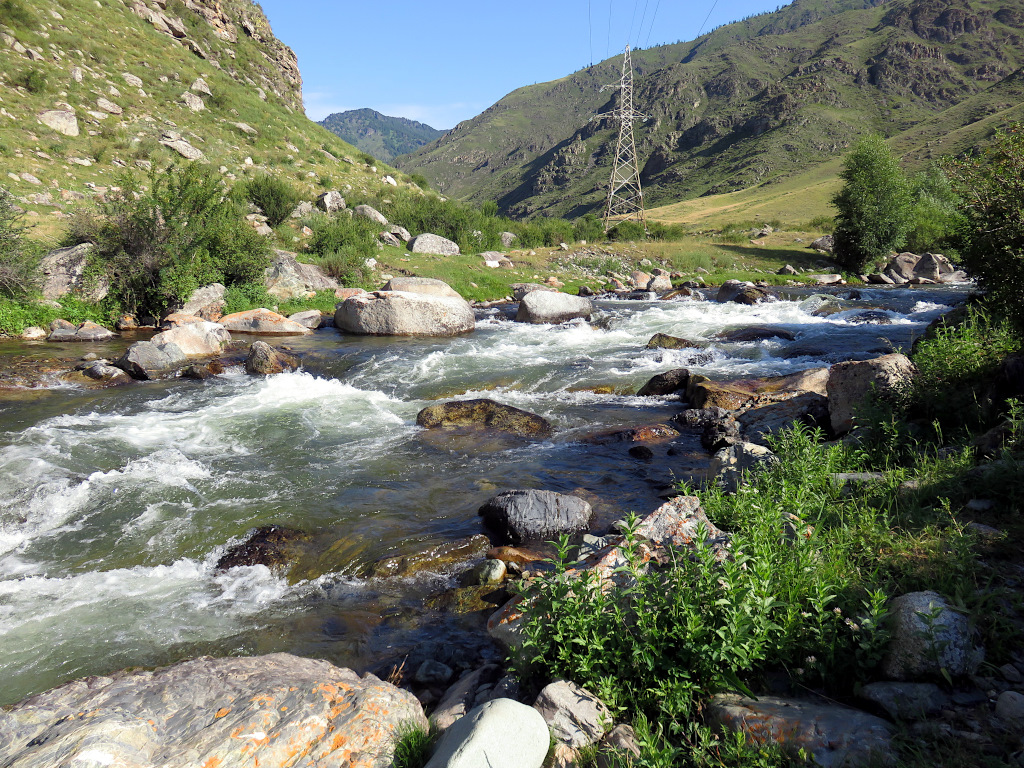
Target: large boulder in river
(287, 278)
(850, 383)
(485, 414)
(200, 339)
(150, 360)
(262, 322)
(544, 307)
(428, 286)
(519, 290)
(260, 710)
(435, 244)
(264, 360)
(666, 383)
(398, 313)
(64, 272)
(517, 517)
(741, 293)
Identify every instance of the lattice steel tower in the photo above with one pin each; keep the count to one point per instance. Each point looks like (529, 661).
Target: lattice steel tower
(625, 196)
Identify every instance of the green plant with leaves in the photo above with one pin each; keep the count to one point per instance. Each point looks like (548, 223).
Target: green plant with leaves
(936, 217)
(160, 242)
(628, 231)
(412, 746)
(18, 258)
(275, 197)
(32, 79)
(990, 185)
(874, 207)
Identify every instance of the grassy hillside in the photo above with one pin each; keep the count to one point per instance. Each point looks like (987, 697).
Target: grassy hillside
(381, 136)
(758, 103)
(87, 58)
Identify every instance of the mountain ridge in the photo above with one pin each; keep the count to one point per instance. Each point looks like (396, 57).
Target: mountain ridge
(380, 135)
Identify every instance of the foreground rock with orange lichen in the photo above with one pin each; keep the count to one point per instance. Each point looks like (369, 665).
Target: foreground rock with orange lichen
(214, 713)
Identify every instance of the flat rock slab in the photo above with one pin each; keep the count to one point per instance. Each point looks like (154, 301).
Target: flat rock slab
(485, 414)
(832, 736)
(428, 286)
(732, 394)
(246, 712)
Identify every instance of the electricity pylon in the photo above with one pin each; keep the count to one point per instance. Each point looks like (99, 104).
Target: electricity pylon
(625, 196)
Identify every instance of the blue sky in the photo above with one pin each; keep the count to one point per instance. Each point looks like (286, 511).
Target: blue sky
(441, 63)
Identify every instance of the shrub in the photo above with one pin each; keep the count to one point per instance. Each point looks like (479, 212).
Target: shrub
(936, 217)
(665, 232)
(420, 181)
(821, 224)
(991, 187)
(13, 13)
(18, 260)
(874, 206)
(489, 208)
(588, 227)
(32, 80)
(275, 197)
(160, 244)
(630, 231)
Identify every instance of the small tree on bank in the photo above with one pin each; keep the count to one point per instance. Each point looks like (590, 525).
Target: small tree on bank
(991, 188)
(874, 206)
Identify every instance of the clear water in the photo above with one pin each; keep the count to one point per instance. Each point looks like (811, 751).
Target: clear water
(115, 505)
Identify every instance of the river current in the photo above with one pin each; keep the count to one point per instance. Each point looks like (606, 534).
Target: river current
(115, 505)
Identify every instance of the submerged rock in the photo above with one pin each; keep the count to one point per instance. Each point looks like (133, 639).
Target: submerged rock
(521, 516)
(484, 414)
(436, 558)
(666, 383)
(664, 341)
(271, 545)
(236, 711)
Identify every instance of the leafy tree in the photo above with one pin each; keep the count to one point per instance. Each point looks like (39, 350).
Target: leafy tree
(990, 184)
(18, 261)
(936, 216)
(159, 243)
(874, 206)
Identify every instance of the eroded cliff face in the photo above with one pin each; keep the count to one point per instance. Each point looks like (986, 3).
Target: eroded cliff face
(213, 29)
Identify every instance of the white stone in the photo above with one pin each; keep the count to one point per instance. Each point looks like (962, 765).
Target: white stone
(499, 734)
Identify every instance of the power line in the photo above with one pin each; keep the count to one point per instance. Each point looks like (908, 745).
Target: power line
(636, 4)
(650, 31)
(640, 31)
(706, 19)
(608, 45)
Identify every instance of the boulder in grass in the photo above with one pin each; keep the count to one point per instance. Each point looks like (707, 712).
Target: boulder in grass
(287, 278)
(928, 637)
(398, 313)
(262, 322)
(258, 710)
(425, 285)
(368, 212)
(850, 383)
(484, 414)
(541, 307)
(576, 717)
(434, 244)
(521, 516)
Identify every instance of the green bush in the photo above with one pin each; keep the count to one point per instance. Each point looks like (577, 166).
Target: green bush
(936, 218)
(628, 231)
(275, 197)
(13, 13)
(19, 261)
(874, 206)
(588, 227)
(32, 79)
(991, 238)
(665, 232)
(158, 244)
(420, 181)
(489, 208)
(821, 224)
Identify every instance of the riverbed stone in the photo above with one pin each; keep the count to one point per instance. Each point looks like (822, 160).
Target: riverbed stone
(263, 322)
(808, 408)
(905, 701)
(664, 341)
(499, 734)
(202, 339)
(576, 717)
(463, 695)
(484, 414)
(148, 360)
(929, 636)
(261, 710)
(666, 383)
(541, 307)
(440, 557)
(519, 290)
(833, 736)
(730, 463)
(400, 313)
(87, 331)
(755, 333)
(273, 546)
(264, 360)
(433, 244)
(428, 286)
(850, 383)
(518, 517)
(312, 319)
(739, 292)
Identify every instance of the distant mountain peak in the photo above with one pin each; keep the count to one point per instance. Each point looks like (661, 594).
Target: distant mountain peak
(382, 136)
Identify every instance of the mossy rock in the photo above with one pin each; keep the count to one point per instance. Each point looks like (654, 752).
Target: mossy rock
(484, 414)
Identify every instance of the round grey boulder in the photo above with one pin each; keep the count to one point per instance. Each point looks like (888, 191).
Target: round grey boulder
(435, 244)
(540, 307)
(520, 516)
(428, 286)
(399, 313)
(929, 636)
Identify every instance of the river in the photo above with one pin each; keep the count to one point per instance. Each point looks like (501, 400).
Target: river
(116, 504)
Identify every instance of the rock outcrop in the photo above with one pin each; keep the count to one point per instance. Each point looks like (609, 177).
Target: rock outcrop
(262, 710)
(64, 272)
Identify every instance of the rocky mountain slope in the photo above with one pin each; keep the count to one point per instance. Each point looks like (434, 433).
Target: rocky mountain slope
(749, 104)
(91, 89)
(382, 136)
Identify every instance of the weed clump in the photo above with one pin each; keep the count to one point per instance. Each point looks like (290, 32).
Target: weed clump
(275, 197)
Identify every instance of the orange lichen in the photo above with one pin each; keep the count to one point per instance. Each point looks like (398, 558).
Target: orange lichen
(223, 711)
